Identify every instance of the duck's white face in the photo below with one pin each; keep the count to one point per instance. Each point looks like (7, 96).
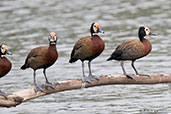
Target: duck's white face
(52, 37)
(96, 27)
(147, 31)
(4, 48)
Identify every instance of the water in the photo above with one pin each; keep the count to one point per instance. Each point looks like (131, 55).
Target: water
(26, 24)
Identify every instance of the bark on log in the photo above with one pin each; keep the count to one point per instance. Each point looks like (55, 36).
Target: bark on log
(17, 98)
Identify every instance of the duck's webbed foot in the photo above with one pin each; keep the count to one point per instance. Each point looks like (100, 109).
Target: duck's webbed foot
(86, 79)
(94, 77)
(51, 85)
(144, 75)
(38, 88)
(3, 94)
(131, 76)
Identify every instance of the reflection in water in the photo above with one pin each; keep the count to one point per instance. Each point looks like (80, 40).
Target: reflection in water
(25, 25)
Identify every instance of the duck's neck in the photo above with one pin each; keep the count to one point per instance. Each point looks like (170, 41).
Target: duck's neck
(1, 56)
(93, 34)
(1, 53)
(141, 37)
(52, 45)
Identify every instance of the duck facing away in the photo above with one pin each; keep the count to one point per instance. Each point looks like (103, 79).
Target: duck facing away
(5, 64)
(88, 48)
(41, 58)
(132, 50)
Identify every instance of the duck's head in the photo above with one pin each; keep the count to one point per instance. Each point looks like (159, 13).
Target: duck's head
(95, 28)
(144, 31)
(4, 50)
(52, 38)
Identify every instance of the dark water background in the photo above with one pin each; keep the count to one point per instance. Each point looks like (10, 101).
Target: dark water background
(25, 24)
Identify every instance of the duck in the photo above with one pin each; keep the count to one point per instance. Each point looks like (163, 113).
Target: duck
(133, 50)
(5, 64)
(87, 49)
(41, 58)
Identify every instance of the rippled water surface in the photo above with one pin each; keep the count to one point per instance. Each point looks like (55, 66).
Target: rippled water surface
(26, 24)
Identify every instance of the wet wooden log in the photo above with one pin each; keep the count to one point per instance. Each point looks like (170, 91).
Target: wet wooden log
(12, 101)
(17, 98)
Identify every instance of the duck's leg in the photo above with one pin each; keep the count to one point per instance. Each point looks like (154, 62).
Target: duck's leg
(3, 94)
(128, 75)
(85, 78)
(36, 87)
(132, 64)
(90, 73)
(49, 84)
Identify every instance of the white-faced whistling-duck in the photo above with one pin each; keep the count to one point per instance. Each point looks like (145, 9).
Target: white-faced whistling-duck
(42, 57)
(88, 48)
(5, 64)
(132, 50)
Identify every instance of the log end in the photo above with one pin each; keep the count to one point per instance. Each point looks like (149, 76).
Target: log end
(11, 101)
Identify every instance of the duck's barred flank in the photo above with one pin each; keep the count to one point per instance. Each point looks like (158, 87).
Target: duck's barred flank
(88, 48)
(133, 50)
(41, 58)
(5, 64)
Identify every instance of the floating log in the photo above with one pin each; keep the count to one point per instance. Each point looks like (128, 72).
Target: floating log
(17, 98)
